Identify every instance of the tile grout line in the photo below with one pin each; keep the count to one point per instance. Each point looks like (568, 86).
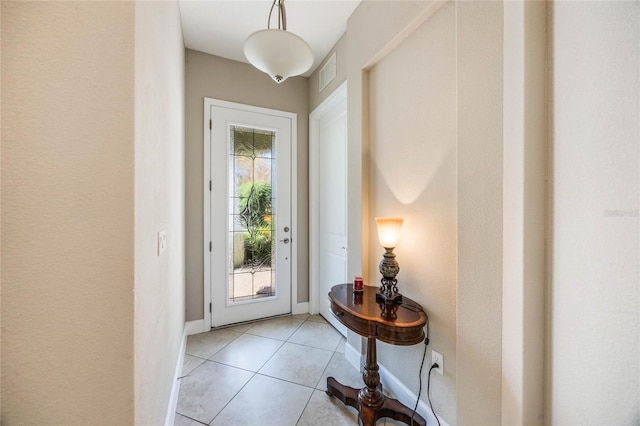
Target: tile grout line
(228, 343)
(187, 374)
(256, 373)
(288, 381)
(308, 346)
(324, 321)
(233, 366)
(191, 418)
(306, 405)
(273, 338)
(325, 370)
(321, 376)
(234, 397)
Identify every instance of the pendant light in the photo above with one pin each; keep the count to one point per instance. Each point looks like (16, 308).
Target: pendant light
(279, 53)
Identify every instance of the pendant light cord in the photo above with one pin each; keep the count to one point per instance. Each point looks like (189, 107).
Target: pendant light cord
(282, 15)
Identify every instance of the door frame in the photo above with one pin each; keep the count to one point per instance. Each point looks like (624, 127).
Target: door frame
(316, 115)
(206, 198)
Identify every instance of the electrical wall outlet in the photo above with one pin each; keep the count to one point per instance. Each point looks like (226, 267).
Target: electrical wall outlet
(162, 242)
(437, 358)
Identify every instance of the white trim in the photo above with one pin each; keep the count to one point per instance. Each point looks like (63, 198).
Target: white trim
(314, 188)
(173, 398)
(294, 209)
(299, 308)
(353, 356)
(206, 215)
(208, 103)
(196, 327)
(399, 391)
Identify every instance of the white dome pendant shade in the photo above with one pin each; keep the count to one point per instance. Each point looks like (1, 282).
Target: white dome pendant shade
(279, 53)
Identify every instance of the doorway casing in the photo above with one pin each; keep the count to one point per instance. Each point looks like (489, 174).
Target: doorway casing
(339, 95)
(207, 132)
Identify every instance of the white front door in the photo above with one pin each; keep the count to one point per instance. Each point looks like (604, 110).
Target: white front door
(329, 194)
(249, 212)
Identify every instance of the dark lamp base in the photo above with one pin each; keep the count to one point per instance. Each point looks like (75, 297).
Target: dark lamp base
(388, 299)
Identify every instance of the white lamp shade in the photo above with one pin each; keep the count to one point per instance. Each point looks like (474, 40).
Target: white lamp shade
(279, 53)
(389, 231)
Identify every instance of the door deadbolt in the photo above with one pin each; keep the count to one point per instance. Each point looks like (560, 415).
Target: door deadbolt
(286, 229)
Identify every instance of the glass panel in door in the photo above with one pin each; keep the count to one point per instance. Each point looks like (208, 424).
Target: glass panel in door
(252, 215)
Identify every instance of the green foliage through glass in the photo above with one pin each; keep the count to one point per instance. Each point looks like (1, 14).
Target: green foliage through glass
(255, 215)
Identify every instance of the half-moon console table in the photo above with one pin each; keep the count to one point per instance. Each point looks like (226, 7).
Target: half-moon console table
(396, 324)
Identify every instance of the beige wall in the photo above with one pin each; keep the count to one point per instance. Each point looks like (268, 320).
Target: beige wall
(480, 178)
(593, 273)
(159, 195)
(214, 77)
(593, 201)
(93, 166)
(68, 213)
(412, 142)
(85, 330)
(467, 201)
(370, 28)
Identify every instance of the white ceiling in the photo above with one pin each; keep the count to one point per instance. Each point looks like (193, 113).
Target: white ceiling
(220, 27)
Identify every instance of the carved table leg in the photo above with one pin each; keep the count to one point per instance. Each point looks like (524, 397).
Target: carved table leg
(346, 394)
(397, 411)
(370, 396)
(370, 401)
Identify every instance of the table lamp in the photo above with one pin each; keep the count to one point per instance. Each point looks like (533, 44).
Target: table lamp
(388, 235)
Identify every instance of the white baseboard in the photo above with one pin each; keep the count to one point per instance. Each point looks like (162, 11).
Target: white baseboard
(173, 399)
(399, 391)
(195, 327)
(300, 308)
(354, 356)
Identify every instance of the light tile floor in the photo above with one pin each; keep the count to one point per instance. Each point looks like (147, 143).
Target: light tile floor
(272, 372)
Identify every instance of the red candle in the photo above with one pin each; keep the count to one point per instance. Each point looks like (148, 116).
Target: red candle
(358, 284)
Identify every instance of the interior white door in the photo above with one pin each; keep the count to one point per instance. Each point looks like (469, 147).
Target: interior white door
(331, 150)
(250, 213)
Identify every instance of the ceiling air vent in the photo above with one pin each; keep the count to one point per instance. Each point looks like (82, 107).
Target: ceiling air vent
(328, 72)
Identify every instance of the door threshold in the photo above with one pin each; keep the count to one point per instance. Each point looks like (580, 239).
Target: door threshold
(235, 324)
